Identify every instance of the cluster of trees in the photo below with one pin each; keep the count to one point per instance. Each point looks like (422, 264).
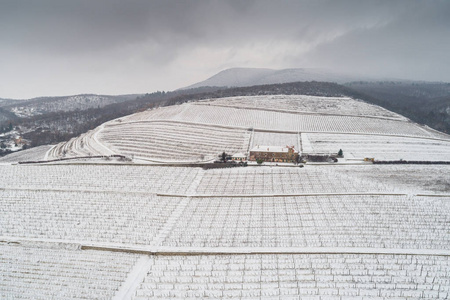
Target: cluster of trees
(6, 127)
(3, 149)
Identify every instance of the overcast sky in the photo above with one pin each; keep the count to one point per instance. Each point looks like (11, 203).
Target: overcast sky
(59, 47)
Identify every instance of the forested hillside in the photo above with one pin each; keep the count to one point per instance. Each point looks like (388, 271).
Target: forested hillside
(425, 103)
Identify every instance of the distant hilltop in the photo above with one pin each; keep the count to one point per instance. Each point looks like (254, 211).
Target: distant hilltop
(239, 77)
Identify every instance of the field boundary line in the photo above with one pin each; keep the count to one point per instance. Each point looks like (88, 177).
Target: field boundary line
(277, 195)
(167, 250)
(79, 191)
(432, 195)
(177, 251)
(224, 195)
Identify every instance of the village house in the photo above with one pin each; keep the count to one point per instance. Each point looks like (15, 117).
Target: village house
(274, 154)
(239, 157)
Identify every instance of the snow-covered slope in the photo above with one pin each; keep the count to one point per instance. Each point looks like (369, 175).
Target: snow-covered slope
(33, 154)
(199, 131)
(78, 229)
(237, 77)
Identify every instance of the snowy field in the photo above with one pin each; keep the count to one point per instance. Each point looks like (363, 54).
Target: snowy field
(132, 206)
(413, 178)
(279, 139)
(379, 221)
(98, 178)
(307, 276)
(82, 146)
(380, 147)
(34, 154)
(173, 142)
(272, 180)
(307, 104)
(160, 113)
(42, 273)
(311, 221)
(126, 218)
(285, 207)
(284, 121)
(324, 231)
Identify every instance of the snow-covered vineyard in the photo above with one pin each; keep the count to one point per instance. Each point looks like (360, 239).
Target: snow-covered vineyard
(198, 131)
(295, 276)
(347, 219)
(40, 272)
(308, 104)
(123, 229)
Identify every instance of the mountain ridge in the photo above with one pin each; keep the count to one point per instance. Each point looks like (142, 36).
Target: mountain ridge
(239, 77)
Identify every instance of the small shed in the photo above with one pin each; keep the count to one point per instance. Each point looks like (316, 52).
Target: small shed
(239, 157)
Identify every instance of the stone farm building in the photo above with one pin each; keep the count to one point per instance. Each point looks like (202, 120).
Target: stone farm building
(274, 153)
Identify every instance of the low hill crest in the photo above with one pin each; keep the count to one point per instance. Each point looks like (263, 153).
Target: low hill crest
(239, 77)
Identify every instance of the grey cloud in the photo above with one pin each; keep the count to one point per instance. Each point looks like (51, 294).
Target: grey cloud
(76, 25)
(413, 46)
(114, 44)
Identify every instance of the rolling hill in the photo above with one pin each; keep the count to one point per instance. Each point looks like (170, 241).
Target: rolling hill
(124, 211)
(239, 77)
(201, 130)
(424, 102)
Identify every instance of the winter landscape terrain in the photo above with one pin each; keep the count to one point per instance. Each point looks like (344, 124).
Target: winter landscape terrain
(125, 211)
(256, 76)
(198, 131)
(49, 120)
